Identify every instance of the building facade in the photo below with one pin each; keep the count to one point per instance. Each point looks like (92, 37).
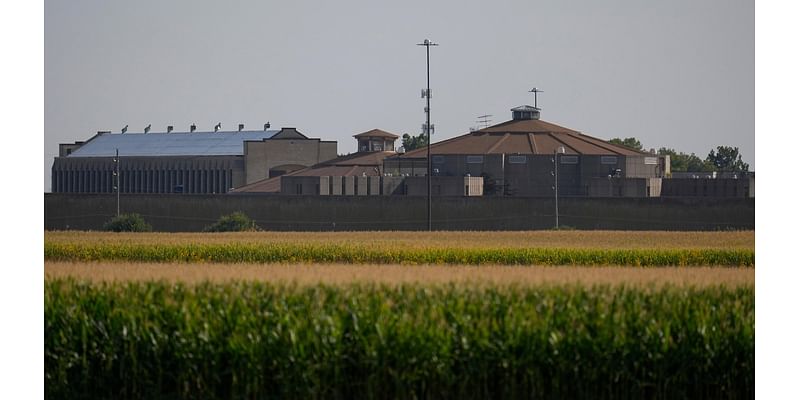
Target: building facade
(523, 156)
(185, 162)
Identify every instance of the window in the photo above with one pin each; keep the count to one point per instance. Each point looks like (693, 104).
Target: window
(438, 159)
(474, 159)
(608, 160)
(518, 159)
(568, 159)
(299, 188)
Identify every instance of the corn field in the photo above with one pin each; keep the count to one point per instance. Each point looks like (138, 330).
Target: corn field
(262, 340)
(359, 254)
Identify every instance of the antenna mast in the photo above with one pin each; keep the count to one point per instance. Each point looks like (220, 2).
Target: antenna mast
(535, 92)
(484, 119)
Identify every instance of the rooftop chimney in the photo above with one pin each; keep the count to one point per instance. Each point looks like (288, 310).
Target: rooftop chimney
(169, 128)
(241, 126)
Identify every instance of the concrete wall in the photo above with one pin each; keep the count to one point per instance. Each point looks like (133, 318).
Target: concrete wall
(625, 187)
(702, 187)
(261, 156)
(193, 212)
(445, 186)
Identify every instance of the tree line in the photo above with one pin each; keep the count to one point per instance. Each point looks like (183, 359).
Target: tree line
(723, 159)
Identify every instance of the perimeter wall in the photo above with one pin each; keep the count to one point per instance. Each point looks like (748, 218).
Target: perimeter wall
(176, 213)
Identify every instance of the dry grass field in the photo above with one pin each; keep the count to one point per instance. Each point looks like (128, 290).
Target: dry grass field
(417, 240)
(312, 274)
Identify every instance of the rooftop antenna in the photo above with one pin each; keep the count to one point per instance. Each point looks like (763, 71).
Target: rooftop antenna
(266, 126)
(125, 128)
(535, 92)
(218, 126)
(192, 128)
(170, 128)
(147, 128)
(484, 119)
(241, 126)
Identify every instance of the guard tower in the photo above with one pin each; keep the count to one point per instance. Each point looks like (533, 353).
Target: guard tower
(375, 140)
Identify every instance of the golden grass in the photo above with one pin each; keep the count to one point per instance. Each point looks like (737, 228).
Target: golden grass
(406, 239)
(311, 274)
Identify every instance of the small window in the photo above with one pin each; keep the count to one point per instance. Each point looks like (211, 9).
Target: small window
(608, 159)
(569, 159)
(438, 159)
(299, 188)
(518, 159)
(474, 159)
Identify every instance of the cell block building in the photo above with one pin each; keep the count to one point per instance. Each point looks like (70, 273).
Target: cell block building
(185, 162)
(522, 157)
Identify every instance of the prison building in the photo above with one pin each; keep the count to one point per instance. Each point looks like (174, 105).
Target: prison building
(519, 158)
(352, 174)
(183, 162)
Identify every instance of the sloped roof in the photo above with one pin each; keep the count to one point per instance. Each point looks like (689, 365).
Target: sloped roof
(358, 164)
(530, 136)
(170, 144)
(376, 133)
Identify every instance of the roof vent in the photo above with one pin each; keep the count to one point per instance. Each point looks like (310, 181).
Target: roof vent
(192, 128)
(170, 128)
(525, 112)
(241, 126)
(218, 126)
(266, 126)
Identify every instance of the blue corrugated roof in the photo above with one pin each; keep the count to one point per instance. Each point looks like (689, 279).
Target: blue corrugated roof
(170, 144)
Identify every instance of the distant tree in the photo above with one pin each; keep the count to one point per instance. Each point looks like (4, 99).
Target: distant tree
(628, 142)
(414, 142)
(127, 223)
(682, 162)
(235, 222)
(727, 159)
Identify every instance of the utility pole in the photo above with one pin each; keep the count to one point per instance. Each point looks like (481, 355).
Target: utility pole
(556, 152)
(427, 94)
(116, 178)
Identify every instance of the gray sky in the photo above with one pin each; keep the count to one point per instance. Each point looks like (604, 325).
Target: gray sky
(675, 73)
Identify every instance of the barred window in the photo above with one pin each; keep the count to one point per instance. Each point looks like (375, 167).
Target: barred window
(517, 159)
(474, 159)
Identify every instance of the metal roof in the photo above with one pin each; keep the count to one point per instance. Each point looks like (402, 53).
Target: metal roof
(376, 133)
(230, 143)
(531, 136)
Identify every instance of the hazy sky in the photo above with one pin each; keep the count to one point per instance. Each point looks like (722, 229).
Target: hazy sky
(674, 73)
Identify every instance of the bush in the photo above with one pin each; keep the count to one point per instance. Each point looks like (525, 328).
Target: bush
(127, 223)
(236, 222)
